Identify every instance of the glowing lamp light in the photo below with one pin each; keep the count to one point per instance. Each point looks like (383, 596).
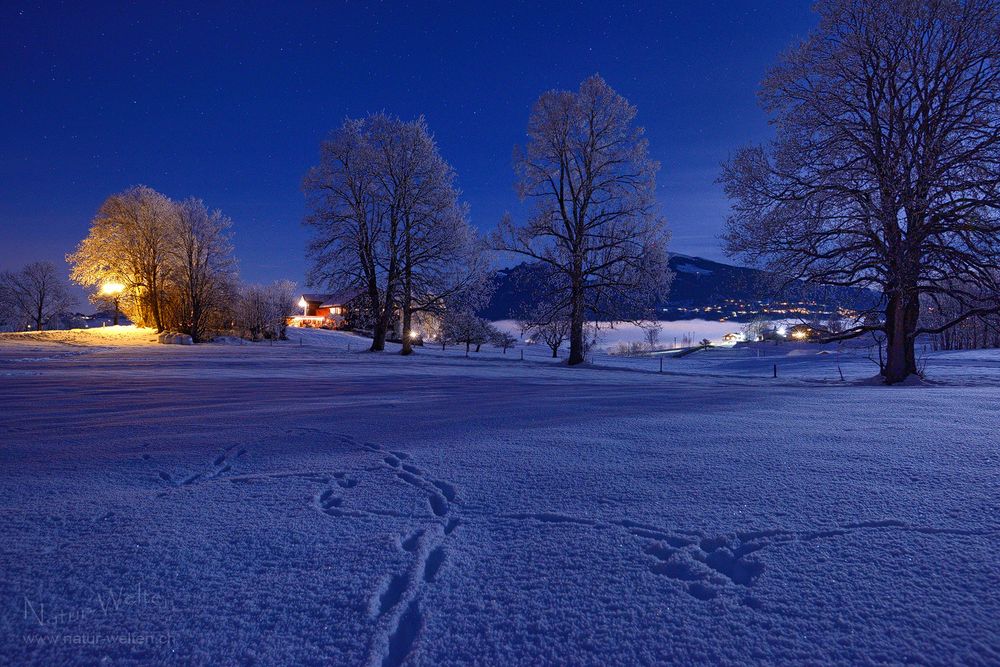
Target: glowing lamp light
(799, 335)
(414, 335)
(302, 303)
(113, 290)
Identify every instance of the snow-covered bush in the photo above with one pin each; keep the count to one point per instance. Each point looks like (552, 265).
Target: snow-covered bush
(262, 311)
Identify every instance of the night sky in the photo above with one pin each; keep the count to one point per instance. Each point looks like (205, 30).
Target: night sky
(230, 103)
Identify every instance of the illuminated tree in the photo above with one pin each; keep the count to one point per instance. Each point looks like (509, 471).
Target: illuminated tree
(130, 243)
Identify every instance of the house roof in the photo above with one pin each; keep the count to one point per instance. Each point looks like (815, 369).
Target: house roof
(332, 299)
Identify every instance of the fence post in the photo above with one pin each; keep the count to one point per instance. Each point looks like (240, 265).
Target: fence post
(661, 364)
(776, 370)
(522, 355)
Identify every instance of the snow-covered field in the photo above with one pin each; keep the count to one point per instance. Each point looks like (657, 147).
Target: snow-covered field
(308, 503)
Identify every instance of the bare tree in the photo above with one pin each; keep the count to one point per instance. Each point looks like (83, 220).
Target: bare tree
(7, 308)
(547, 322)
(594, 223)
(203, 268)
(130, 243)
(651, 329)
(355, 221)
(885, 172)
(463, 326)
(442, 258)
(502, 339)
(35, 294)
(386, 219)
(978, 332)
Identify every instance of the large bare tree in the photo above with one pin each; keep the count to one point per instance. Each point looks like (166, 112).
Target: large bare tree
(35, 294)
(885, 169)
(594, 223)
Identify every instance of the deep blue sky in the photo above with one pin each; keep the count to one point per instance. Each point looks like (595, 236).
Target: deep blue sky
(230, 103)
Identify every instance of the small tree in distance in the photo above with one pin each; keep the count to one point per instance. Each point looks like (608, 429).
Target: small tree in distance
(35, 294)
(502, 339)
(651, 330)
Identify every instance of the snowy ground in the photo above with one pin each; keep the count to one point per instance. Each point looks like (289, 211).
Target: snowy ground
(308, 503)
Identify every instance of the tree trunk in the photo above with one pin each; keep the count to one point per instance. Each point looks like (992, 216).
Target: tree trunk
(900, 322)
(407, 296)
(154, 302)
(576, 323)
(407, 318)
(378, 336)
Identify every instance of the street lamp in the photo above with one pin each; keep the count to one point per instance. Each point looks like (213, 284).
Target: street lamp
(304, 305)
(114, 292)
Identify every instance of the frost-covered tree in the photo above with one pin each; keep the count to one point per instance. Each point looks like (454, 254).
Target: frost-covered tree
(356, 218)
(203, 269)
(173, 261)
(386, 218)
(463, 326)
(262, 311)
(885, 169)
(442, 258)
(651, 330)
(35, 294)
(594, 223)
(502, 339)
(548, 323)
(130, 243)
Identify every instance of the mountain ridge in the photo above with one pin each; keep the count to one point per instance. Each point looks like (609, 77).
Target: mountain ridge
(701, 288)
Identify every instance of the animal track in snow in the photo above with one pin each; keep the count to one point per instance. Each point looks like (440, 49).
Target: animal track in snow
(396, 607)
(220, 466)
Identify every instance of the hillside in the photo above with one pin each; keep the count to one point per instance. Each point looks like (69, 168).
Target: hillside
(701, 288)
